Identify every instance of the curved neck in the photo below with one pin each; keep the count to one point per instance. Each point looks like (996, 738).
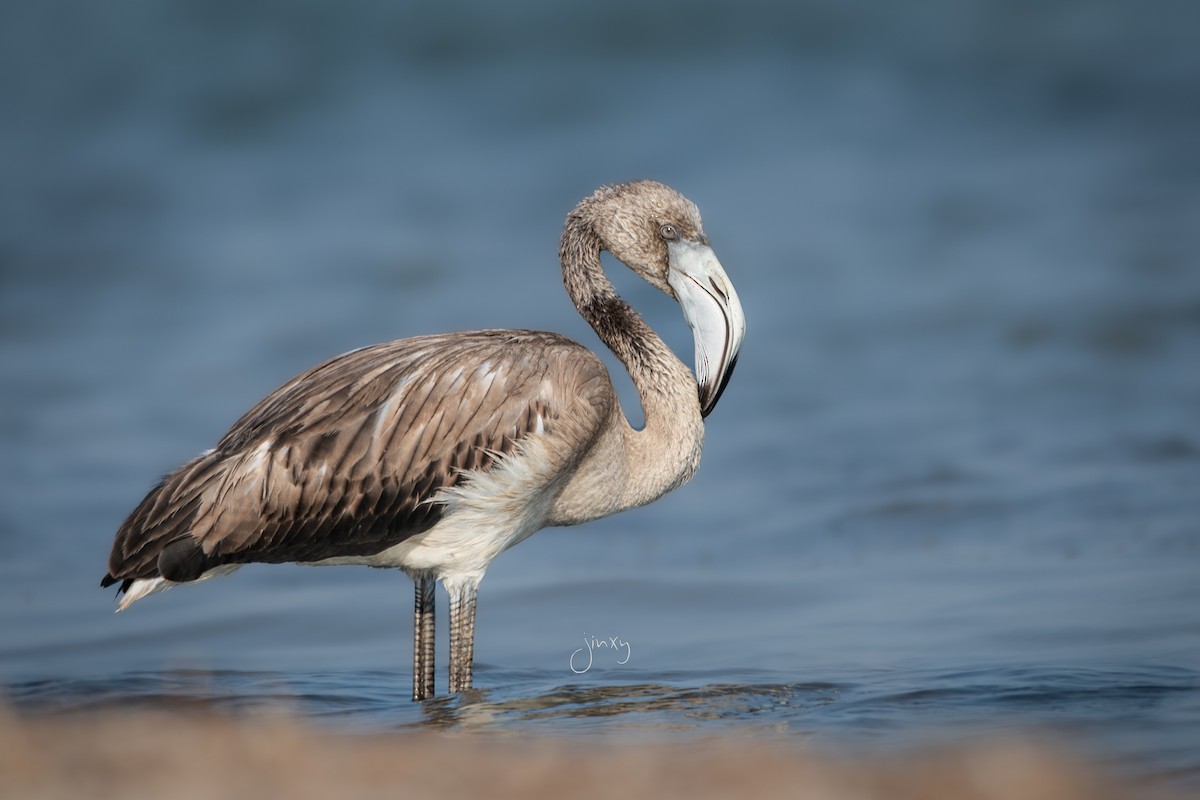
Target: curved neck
(665, 453)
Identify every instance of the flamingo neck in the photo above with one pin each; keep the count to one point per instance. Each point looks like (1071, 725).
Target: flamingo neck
(665, 453)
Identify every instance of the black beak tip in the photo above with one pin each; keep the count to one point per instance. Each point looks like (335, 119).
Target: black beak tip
(710, 395)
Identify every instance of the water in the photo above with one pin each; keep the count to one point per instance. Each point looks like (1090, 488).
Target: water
(951, 490)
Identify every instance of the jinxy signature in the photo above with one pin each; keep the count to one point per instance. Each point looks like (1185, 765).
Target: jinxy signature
(581, 663)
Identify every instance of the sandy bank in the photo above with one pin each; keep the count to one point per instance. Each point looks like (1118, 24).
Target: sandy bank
(184, 755)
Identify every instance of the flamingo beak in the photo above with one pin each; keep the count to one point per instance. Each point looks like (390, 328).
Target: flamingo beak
(713, 312)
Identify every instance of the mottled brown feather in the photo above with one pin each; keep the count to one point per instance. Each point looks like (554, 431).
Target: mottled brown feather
(347, 458)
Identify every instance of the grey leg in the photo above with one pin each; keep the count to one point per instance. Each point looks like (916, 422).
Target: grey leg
(423, 636)
(462, 635)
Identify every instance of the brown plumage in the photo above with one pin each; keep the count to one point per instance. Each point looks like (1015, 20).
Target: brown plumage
(327, 465)
(435, 453)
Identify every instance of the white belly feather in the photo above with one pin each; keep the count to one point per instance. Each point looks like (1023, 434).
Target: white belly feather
(487, 513)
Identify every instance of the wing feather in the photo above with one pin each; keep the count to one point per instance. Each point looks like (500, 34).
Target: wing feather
(348, 458)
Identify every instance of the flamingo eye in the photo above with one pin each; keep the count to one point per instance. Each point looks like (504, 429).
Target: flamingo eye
(669, 232)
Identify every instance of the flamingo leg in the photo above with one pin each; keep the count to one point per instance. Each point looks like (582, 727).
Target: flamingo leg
(462, 635)
(423, 636)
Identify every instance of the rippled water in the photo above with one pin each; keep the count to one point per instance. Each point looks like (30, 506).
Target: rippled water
(1141, 719)
(951, 491)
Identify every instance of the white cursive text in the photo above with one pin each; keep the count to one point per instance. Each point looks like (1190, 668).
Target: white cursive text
(591, 644)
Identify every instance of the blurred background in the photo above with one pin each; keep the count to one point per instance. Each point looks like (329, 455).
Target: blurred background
(954, 485)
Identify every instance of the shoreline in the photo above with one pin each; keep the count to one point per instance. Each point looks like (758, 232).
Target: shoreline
(182, 754)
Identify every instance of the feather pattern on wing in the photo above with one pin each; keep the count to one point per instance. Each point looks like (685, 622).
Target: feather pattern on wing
(349, 458)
